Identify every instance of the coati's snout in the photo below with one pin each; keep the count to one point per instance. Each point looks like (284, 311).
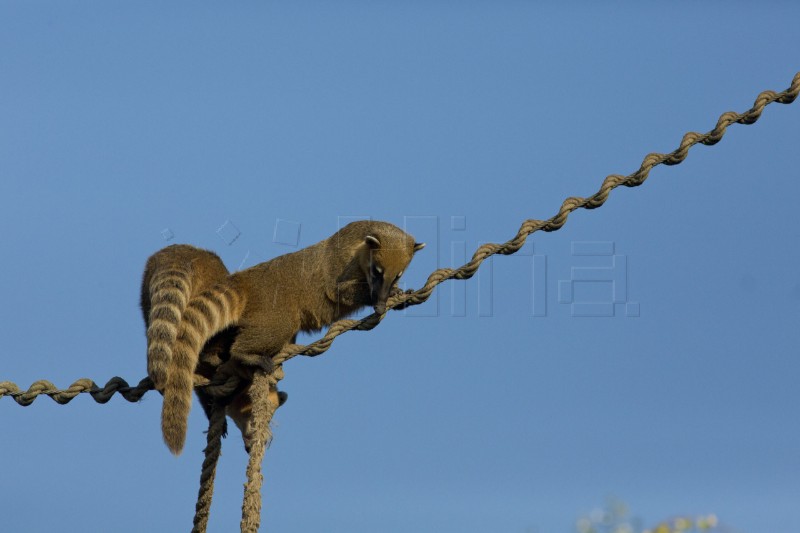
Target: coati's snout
(379, 289)
(379, 301)
(386, 265)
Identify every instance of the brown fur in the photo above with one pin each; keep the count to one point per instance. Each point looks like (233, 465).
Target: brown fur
(271, 302)
(174, 276)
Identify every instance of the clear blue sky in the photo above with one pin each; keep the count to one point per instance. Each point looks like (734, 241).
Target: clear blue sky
(122, 124)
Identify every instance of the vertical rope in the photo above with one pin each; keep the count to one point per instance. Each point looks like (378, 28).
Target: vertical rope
(216, 428)
(264, 406)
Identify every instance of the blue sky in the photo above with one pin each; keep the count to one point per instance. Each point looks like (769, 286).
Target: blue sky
(125, 127)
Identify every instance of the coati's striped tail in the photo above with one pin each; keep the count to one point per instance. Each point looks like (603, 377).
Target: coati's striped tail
(170, 291)
(206, 315)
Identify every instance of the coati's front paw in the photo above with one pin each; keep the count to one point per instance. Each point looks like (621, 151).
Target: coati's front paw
(396, 291)
(399, 292)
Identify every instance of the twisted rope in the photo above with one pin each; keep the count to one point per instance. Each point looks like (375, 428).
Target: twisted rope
(222, 386)
(263, 409)
(216, 430)
(551, 224)
(84, 385)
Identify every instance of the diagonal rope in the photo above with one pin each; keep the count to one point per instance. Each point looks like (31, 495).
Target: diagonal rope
(551, 224)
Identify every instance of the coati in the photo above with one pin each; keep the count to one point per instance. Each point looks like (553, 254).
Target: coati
(269, 303)
(172, 277)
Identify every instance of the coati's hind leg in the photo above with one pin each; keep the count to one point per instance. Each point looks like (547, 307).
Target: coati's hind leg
(255, 345)
(241, 412)
(253, 349)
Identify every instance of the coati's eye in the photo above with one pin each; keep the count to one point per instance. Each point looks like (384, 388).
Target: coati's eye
(398, 275)
(377, 271)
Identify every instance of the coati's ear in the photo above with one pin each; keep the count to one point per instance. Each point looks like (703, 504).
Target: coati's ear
(418, 246)
(372, 241)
